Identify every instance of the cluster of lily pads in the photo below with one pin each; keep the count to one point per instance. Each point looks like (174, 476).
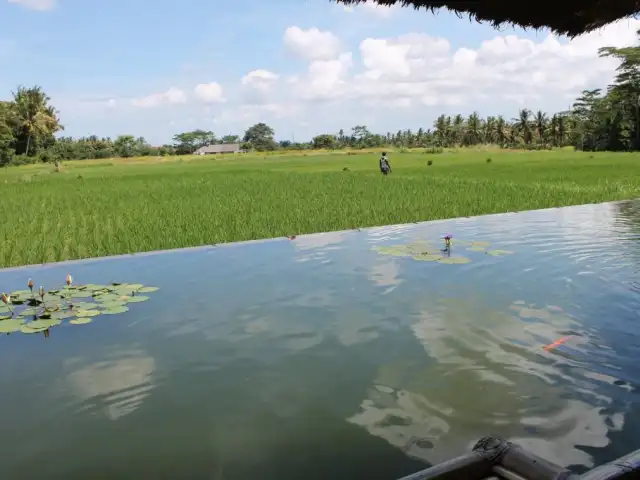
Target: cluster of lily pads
(428, 252)
(36, 311)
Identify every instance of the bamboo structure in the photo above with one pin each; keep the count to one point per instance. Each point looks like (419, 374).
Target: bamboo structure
(493, 458)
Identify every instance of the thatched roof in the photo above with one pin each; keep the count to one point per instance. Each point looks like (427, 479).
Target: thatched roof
(565, 17)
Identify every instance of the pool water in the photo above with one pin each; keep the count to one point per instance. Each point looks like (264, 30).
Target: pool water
(343, 355)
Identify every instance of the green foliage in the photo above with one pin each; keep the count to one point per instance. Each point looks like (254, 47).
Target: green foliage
(260, 137)
(108, 208)
(324, 141)
(37, 311)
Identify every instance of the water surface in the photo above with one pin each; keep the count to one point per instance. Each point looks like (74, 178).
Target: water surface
(321, 358)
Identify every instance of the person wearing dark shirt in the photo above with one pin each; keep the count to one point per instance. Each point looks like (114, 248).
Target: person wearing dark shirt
(385, 166)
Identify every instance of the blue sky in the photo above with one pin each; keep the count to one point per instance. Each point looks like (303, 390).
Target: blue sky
(108, 66)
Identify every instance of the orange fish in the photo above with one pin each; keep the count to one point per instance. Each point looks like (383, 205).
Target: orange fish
(557, 343)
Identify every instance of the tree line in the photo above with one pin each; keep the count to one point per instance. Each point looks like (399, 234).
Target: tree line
(599, 119)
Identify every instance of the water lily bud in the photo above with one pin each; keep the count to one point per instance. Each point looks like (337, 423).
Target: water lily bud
(5, 298)
(69, 280)
(30, 284)
(41, 291)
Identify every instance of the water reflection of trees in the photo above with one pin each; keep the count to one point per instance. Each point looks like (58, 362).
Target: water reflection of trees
(490, 376)
(628, 220)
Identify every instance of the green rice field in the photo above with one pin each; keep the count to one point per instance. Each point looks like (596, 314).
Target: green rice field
(99, 208)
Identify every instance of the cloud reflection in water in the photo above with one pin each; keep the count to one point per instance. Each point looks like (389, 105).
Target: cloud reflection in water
(117, 385)
(490, 376)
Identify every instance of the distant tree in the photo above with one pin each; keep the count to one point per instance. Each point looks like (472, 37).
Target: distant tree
(260, 137)
(230, 139)
(125, 146)
(7, 139)
(34, 117)
(189, 142)
(324, 141)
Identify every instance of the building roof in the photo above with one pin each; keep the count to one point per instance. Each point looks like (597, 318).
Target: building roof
(219, 148)
(568, 17)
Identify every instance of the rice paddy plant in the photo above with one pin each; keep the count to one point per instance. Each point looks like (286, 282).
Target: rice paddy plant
(90, 211)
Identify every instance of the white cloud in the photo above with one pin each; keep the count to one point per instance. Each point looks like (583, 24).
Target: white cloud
(209, 92)
(390, 82)
(40, 5)
(325, 79)
(416, 69)
(311, 44)
(170, 97)
(258, 85)
(382, 11)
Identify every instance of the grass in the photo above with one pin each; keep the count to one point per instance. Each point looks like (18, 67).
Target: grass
(107, 207)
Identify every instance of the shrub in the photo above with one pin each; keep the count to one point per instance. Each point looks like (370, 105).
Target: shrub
(433, 150)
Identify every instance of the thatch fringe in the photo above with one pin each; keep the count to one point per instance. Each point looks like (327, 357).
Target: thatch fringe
(565, 17)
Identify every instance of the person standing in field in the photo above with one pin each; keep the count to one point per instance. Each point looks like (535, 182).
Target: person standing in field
(385, 166)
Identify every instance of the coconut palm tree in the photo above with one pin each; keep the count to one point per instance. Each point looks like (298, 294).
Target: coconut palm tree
(33, 113)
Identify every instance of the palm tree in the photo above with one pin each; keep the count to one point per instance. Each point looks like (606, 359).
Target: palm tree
(33, 113)
(523, 125)
(541, 125)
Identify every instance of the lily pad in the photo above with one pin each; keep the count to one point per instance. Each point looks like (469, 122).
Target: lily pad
(498, 253)
(88, 313)
(28, 329)
(454, 260)
(52, 307)
(408, 250)
(82, 294)
(31, 311)
(43, 323)
(148, 289)
(84, 305)
(4, 308)
(109, 305)
(128, 288)
(395, 250)
(81, 321)
(137, 299)
(12, 325)
(21, 293)
(428, 257)
(108, 297)
(63, 314)
(49, 298)
(5, 317)
(115, 310)
(480, 244)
